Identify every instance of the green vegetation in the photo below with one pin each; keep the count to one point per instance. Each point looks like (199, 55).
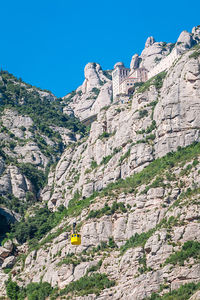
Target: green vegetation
(4, 225)
(158, 182)
(157, 59)
(143, 113)
(86, 285)
(129, 185)
(46, 115)
(35, 227)
(107, 210)
(71, 95)
(137, 240)
(153, 105)
(12, 290)
(37, 177)
(71, 259)
(143, 262)
(14, 204)
(106, 159)
(104, 135)
(33, 291)
(43, 112)
(183, 293)
(126, 155)
(140, 239)
(103, 246)
(149, 128)
(94, 164)
(96, 267)
(186, 170)
(107, 74)
(105, 108)
(96, 91)
(189, 249)
(195, 54)
(157, 81)
(154, 169)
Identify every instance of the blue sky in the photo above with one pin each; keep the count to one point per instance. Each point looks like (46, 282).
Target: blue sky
(48, 42)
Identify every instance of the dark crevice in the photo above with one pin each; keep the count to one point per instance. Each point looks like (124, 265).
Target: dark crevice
(4, 227)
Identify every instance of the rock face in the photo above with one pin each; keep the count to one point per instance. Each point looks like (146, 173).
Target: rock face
(169, 218)
(150, 41)
(135, 61)
(9, 262)
(95, 92)
(185, 40)
(29, 143)
(196, 33)
(154, 53)
(135, 230)
(20, 145)
(126, 137)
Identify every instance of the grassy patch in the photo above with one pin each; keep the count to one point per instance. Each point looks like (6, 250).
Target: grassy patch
(157, 81)
(183, 293)
(104, 246)
(126, 155)
(136, 240)
(129, 185)
(195, 54)
(34, 228)
(143, 113)
(149, 128)
(106, 159)
(86, 285)
(107, 210)
(140, 239)
(104, 135)
(189, 249)
(32, 291)
(70, 259)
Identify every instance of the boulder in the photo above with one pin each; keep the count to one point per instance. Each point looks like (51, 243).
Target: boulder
(9, 262)
(185, 41)
(4, 252)
(8, 245)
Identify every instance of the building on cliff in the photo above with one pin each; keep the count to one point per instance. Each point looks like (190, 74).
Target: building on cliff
(124, 79)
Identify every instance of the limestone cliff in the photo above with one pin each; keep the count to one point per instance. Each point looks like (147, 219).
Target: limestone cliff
(93, 94)
(33, 135)
(126, 137)
(132, 185)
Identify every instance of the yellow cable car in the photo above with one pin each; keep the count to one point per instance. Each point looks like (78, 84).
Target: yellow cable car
(75, 238)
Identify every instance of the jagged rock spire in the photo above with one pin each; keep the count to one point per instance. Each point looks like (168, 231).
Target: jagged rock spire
(185, 40)
(150, 41)
(134, 62)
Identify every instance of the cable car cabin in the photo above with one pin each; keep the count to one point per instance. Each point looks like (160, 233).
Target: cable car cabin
(75, 239)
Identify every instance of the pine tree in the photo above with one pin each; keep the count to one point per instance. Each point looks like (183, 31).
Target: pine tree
(12, 289)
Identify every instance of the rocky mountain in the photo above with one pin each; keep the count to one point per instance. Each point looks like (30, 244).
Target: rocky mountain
(93, 94)
(131, 184)
(33, 134)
